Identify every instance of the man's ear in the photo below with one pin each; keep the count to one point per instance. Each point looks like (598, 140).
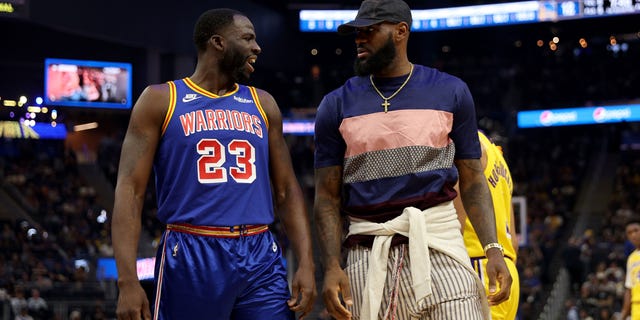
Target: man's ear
(402, 31)
(217, 42)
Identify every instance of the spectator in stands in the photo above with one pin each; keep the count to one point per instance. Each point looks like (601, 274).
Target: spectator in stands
(585, 315)
(36, 304)
(530, 285)
(75, 315)
(4, 295)
(586, 251)
(605, 291)
(80, 278)
(605, 314)
(24, 314)
(98, 313)
(4, 299)
(589, 290)
(572, 310)
(573, 264)
(18, 301)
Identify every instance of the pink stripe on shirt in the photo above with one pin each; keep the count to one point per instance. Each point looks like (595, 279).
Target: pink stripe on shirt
(396, 129)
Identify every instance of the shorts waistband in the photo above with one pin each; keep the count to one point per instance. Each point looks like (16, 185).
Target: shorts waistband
(219, 232)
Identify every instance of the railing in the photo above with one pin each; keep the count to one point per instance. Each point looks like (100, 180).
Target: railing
(85, 298)
(554, 307)
(62, 309)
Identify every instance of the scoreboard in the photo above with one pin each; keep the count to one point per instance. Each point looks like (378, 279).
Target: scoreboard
(609, 7)
(482, 15)
(597, 8)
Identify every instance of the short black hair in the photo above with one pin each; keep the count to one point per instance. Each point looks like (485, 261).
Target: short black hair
(212, 22)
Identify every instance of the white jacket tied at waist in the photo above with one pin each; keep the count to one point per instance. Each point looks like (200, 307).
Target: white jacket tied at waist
(437, 228)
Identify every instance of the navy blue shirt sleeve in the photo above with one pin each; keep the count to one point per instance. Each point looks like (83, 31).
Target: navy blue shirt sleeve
(465, 127)
(329, 144)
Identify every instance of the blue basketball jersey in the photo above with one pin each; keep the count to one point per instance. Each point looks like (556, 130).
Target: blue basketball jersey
(212, 162)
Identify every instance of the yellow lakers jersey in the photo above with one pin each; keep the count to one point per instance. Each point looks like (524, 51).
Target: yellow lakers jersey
(632, 281)
(501, 186)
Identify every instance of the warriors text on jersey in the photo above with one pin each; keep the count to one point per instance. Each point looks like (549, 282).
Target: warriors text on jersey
(213, 158)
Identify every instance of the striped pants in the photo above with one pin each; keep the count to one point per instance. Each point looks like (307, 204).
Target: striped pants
(455, 294)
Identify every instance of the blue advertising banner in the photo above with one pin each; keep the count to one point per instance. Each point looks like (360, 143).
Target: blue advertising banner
(578, 116)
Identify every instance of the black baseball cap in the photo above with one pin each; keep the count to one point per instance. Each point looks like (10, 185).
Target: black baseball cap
(376, 11)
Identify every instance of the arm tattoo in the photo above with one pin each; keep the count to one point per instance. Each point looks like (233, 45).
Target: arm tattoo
(477, 200)
(327, 213)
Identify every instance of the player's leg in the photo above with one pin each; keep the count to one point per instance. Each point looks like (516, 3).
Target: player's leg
(264, 275)
(356, 268)
(195, 277)
(398, 299)
(454, 291)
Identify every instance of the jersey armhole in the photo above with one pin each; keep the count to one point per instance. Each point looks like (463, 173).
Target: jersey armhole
(172, 106)
(254, 94)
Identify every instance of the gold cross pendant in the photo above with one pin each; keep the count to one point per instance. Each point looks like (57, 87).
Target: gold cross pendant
(385, 104)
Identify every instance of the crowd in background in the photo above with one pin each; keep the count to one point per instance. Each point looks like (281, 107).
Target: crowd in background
(51, 255)
(597, 259)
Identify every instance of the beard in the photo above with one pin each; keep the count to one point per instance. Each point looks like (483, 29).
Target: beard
(377, 61)
(234, 64)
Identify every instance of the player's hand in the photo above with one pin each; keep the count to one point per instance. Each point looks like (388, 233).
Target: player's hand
(133, 303)
(336, 283)
(304, 291)
(497, 271)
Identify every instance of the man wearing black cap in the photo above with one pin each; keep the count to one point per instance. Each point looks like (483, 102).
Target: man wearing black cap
(390, 145)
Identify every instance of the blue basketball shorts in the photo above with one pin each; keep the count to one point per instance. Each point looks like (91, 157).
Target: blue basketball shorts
(220, 273)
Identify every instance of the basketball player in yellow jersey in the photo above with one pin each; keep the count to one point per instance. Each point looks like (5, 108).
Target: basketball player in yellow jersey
(631, 304)
(500, 184)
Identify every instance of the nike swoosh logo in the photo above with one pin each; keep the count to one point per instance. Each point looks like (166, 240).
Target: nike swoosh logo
(189, 99)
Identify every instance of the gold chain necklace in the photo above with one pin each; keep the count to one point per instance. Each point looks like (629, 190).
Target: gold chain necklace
(386, 103)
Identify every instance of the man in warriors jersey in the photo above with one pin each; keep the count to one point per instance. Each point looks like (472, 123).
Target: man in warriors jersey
(217, 150)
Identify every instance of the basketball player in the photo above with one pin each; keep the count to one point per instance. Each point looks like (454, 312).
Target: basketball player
(390, 146)
(631, 303)
(498, 178)
(217, 150)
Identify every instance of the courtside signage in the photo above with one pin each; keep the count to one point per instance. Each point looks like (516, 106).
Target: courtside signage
(298, 127)
(106, 268)
(579, 116)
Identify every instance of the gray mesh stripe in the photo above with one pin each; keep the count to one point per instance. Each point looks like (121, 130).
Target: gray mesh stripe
(397, 162)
